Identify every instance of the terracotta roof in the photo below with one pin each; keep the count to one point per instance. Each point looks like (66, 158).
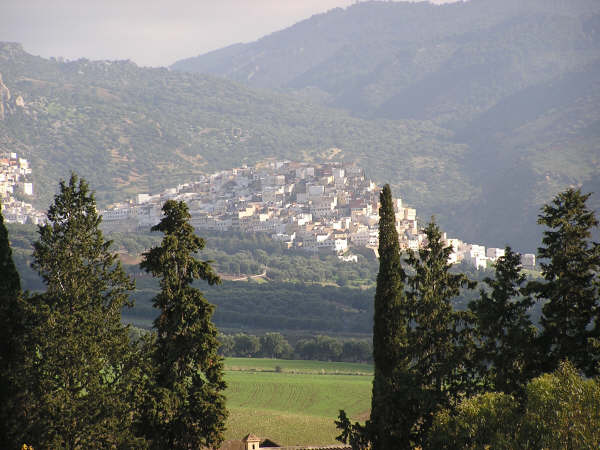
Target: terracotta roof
(250, 438)
(240, 445)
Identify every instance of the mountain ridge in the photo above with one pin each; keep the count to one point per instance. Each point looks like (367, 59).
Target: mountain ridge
(514, 82)
(482, 152)
(129, 129)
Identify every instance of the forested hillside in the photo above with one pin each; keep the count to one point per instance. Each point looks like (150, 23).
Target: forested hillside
(418, 60)
(129, 129)
(477, 112)
(515, 82)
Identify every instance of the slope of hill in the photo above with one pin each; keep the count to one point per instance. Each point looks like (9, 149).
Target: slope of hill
(129, 129)
(521, 123)
(417, 60)
(516, 82)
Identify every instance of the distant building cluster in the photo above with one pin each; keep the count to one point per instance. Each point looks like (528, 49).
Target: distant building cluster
(15, 180)
(314, 207)
(326, 207)
(477, 255)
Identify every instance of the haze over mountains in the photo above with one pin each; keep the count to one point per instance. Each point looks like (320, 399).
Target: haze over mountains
(478, 112)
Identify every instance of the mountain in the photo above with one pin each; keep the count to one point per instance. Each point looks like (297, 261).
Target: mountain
(417, 60)
(477, 112)
(514, 82)
(129, 129)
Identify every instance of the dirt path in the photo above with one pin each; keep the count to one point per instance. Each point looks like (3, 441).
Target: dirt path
(243, 277)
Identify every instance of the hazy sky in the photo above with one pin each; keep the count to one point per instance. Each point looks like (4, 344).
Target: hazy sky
(149, 32)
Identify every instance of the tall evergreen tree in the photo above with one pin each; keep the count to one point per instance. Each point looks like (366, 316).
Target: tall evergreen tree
(82, 367)
(11, 334)
(10, 283)
(393, 405)
(187, 406)
(570, 267)
(505, 328)
(390, 422)
(439, 340)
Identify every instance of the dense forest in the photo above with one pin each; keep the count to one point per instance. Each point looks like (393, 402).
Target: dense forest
(71, 374)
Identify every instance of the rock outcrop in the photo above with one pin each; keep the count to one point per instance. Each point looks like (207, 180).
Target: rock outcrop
(4, 97)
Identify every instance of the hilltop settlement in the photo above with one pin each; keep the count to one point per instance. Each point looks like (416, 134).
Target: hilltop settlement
(16, 187)
(328, 207)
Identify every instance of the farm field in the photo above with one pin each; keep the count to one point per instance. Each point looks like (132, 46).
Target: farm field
(299, 403)
(298, 366)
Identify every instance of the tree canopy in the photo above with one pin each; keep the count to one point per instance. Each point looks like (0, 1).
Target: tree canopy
(186, 405)
(570, 267)
(81, 366)
(508, 351)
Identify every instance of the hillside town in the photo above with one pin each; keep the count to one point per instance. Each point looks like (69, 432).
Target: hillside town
(328, 207)
(16, 187)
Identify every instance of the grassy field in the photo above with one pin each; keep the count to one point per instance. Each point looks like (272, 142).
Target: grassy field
(297, 366)
(299, 403)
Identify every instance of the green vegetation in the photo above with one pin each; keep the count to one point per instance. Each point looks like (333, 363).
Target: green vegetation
(415, 60)
(469, 110)
(129, 129)
(293, 406)
(505, 328)
(297, 366)
(242, 254)
(390, 332)
(10, 283)
(77, 370)
(299, 294)
(185, 407)
(478, 378)
(571, 315)
(77, 377)
(11, 336)
(513, 81)
(275, 345)
(439, 338)
(561, 411)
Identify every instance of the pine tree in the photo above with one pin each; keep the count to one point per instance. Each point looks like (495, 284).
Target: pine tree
(187, 405)
(82, 366)
(505, 328)
(570, 267)
(439, 339)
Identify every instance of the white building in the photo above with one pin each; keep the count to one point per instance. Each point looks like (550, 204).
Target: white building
(478, 261)
(315, 190)
(494, 253)
(528, 260)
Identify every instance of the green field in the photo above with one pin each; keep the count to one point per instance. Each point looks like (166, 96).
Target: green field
(297, 404)
(297, 366)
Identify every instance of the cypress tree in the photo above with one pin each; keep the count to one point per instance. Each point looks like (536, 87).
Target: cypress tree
(11, 334)
(505, 328)
(394, 402)
(570, 267)
(81, 364)
(390, 422)
(186, 405)
(10, 284)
